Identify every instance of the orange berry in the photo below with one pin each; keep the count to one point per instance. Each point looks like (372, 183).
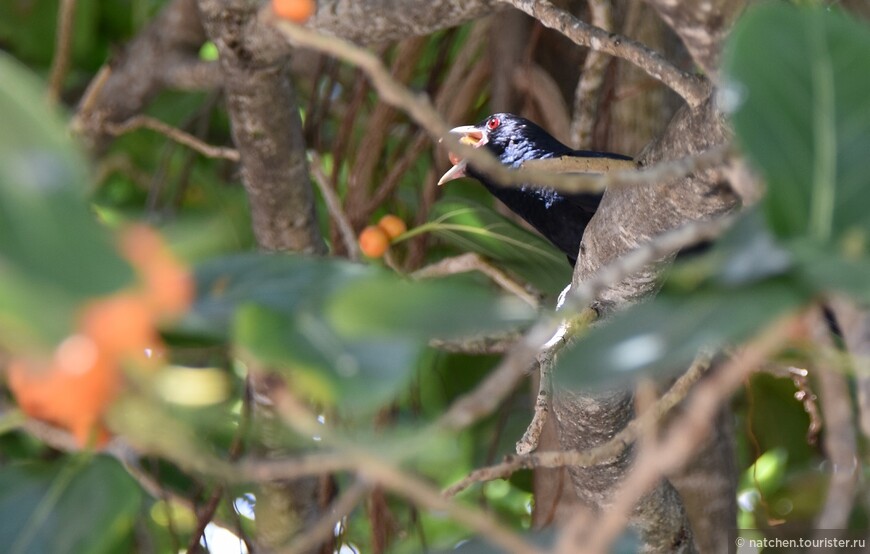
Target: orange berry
(169, 285)
(140, 244)
(73, 391)
(295, 10)
(392, 225)
(373, 241)
(121, 325)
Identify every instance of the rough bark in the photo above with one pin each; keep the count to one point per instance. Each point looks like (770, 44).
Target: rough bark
(371, 21)
(701, 25)
(163, 55)
(628, 217)
(708, 487)
(266, 127)
(267, 131)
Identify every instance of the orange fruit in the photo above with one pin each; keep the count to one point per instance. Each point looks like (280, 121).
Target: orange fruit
(73, 391)
(295, 10)
(169, 285)
(121, 325)
(373, 241)
(392, 225)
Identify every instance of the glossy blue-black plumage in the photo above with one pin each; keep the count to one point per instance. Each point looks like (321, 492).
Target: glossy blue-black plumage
(560, 217)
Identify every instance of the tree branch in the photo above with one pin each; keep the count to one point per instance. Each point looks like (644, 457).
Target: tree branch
(693, 89)
(266, 127)
(607, 451)
(586, 98)
(146, 122)
(702, 26)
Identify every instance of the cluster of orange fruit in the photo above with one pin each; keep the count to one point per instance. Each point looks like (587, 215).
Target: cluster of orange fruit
(375, 239)
(75, 385)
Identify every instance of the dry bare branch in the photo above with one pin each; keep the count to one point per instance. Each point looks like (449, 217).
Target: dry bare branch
(147, 122)
(591, 79)
(62, 49)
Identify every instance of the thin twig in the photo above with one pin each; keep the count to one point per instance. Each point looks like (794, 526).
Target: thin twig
(529, 441)
(607, 451)
(374, 469)
(425, 495)
(420, 109)
(687, 432)
(483, 399)
(839, 437)
(324, 528)
(333, 204)
(854, 320)
(146, 122)
(62, 49)
(656, 249)
(692, 88)
(586, 98)
(472, 261)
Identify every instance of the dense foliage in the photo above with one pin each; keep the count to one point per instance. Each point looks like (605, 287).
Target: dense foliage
(367, 351)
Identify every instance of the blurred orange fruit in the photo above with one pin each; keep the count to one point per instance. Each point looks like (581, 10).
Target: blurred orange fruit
(168, 283)
(392, 225)
(73, 391)
(295, 10)
(121, 325)
(373, 241)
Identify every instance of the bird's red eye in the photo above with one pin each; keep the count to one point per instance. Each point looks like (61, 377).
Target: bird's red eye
(492, 123)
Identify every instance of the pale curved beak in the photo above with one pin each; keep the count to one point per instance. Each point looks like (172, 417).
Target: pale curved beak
(471, 135)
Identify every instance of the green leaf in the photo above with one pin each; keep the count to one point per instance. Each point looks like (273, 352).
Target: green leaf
(446, 308)
(81, 506)
(747, 253)
(358, 376)
(50, 245)
(804, 116)
(665, 334)
(826, 271)
(346, 334)
(476, 228)
(283, 283)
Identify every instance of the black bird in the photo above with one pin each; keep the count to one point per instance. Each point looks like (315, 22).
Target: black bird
(560, 217)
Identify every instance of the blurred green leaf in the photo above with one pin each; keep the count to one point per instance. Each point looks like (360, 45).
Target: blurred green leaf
(74, 505)
(476, 228)
(282, 283)
(346, 334)
(357, 376)
(803, 115)
(748, 252)
(443, 308)
(51, 247)
(825, 270)
(665, 334)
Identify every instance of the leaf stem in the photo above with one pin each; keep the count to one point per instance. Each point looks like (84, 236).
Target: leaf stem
(824, 134)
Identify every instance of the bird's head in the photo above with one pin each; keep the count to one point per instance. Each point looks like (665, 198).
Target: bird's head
(511, 138)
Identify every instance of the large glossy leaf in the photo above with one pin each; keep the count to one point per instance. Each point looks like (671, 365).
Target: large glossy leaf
(803, 91)
(826, 271)
(77, 506)
(475, 228)
(283, 283)
(747, 253)
(664, 334)
(356, 376)
(446, 308)
(346, 334)
(51, 247)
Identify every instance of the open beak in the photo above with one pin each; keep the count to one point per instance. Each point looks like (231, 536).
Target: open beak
(470, 135)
